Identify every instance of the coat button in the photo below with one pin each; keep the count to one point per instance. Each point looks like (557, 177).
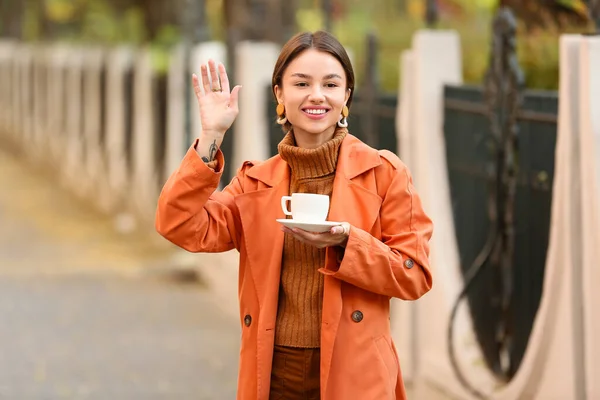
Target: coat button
(409, 263)
(357, 316)
(247, 320)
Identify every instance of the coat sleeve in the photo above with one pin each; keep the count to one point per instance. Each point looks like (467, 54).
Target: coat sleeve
(192, 214)
(398, 264)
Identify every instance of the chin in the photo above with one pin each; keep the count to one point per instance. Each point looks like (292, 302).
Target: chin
(317, 128)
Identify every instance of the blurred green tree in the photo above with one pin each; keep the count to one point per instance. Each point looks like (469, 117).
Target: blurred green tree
(549, 14)
(10, 18)
(246, 20)
(108, 21)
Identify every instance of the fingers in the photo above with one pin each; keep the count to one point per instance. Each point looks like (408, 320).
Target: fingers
(206, 83)
(213, 74)
(234, 99)
(205, 80)
(196, 86)
(343, 229)
(224, 78)
(336, 230)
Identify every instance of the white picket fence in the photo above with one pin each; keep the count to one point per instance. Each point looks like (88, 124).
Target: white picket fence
(113, 128)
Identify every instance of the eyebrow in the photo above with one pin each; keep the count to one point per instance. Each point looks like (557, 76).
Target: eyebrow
(304, 76)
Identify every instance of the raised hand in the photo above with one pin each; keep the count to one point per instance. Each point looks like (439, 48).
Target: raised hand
(218, 105)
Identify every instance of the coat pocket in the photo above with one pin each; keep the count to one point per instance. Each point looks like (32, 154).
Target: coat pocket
(388, 357)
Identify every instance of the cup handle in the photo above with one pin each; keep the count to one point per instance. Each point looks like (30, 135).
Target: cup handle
(284, 200)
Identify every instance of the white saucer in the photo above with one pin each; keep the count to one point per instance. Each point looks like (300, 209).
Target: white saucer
(317, 227)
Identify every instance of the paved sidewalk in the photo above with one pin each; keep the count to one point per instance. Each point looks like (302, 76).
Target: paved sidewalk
(88, 314)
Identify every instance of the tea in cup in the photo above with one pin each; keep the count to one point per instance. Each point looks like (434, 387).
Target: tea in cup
(306, 207)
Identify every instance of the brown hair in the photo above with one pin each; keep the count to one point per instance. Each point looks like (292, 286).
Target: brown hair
(321, 41)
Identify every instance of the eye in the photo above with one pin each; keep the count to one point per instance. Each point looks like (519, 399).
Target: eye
(301, 84)
(331, 85)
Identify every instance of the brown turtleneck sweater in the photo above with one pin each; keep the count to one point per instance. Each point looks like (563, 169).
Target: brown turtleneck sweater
(301, 286)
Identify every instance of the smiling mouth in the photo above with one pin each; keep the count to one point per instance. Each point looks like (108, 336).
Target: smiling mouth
(315, 112)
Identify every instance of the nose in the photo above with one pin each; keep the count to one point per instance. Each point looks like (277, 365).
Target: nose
(316, 94)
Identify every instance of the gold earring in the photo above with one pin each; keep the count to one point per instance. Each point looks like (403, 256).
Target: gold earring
(280, 110)
(343, 122)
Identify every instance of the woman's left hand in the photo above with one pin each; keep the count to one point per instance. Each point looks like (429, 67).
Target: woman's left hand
(337, 236)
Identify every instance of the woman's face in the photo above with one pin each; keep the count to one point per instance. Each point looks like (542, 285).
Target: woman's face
(313, 91)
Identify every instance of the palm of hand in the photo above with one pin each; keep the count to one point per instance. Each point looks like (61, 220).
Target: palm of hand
(216, 114)
(218, 106)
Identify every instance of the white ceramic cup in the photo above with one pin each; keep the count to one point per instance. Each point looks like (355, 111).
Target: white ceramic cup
(306, 207)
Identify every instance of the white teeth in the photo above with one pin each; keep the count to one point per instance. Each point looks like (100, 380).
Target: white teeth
(318, 111)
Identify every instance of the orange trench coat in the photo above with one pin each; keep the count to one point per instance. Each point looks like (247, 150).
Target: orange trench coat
(386, 256)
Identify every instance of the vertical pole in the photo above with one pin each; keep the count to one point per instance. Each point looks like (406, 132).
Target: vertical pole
(11, 15)
(369, 93)
(289, 19)
(504, 86)
(327, 11)
(431, 13)
(275, 17)
(195, 30)
(594, 10)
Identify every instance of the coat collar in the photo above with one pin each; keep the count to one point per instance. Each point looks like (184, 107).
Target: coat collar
(355, 158)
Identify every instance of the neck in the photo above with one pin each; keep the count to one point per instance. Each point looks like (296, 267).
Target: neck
(308, 140)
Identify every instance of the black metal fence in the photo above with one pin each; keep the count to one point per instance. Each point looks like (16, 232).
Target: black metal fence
(467, 134)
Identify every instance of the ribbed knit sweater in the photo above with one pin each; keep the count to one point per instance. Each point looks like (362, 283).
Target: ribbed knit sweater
(301, 287)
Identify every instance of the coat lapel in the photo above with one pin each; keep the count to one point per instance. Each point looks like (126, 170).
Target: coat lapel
(263, 237)
(356, 204)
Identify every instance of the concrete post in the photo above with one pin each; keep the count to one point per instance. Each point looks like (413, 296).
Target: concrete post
(119, 63)
(436, 59)
(95, 168)
(144, 187)
(15, 117)
(39, 65)
(405, 129)
(56, 97)
(254, 69)
(404, 316)
(25, 85)
(589, 150)
(6, 83)
(177, 80)
(73, 166)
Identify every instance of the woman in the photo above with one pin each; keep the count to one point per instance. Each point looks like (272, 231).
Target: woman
(314, 307)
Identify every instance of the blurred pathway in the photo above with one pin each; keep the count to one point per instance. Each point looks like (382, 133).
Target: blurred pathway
(87, 314)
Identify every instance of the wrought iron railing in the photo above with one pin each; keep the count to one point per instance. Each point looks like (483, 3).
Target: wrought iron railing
(594, 10)
(503, 87)
(431, 13)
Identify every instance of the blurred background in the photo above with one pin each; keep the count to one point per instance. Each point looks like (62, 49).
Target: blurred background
(164, 24)
(489, 102)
